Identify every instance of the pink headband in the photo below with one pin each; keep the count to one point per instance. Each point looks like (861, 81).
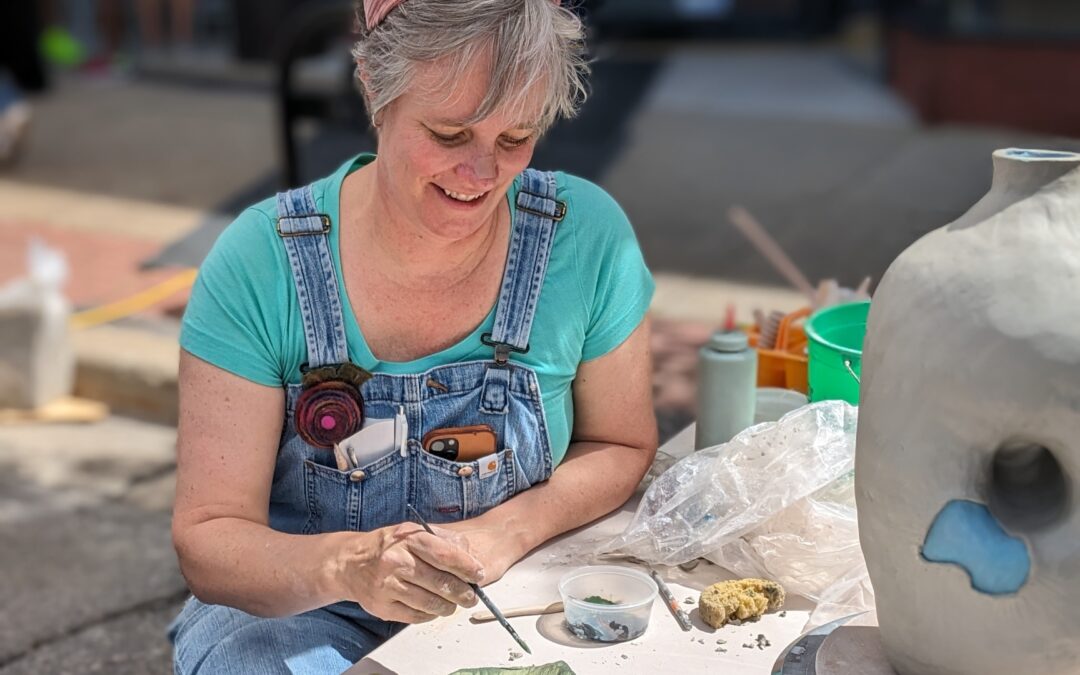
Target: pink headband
(376, 10)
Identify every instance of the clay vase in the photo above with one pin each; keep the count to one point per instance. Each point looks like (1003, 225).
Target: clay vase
(967, 471)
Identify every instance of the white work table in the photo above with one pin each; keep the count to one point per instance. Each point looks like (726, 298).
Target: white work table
(450, 643)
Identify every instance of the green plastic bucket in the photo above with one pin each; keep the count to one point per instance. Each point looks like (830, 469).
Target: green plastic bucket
(835, 339)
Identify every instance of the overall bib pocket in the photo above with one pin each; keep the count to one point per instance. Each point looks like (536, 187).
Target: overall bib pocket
(311, 494)
(448, 491)
(375, 495)
(357, 499)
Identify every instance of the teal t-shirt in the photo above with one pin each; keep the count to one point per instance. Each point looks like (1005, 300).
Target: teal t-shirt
(243, 315)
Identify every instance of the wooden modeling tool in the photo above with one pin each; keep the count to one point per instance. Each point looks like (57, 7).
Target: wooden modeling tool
(476, 589)
(532, 610)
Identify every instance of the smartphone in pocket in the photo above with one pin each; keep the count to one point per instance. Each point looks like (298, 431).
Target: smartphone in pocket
(460, 444)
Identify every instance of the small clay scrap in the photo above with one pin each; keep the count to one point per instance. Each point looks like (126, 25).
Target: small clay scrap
(739, 600)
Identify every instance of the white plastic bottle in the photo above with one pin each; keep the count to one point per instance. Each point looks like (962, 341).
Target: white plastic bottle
(727, 385)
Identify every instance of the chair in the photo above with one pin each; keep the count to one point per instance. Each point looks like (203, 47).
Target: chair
(309, 31)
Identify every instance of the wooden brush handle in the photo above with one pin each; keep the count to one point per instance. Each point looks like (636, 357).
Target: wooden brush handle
(534, 610)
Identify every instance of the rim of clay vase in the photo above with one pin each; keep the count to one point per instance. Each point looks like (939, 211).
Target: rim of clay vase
(1036, 155)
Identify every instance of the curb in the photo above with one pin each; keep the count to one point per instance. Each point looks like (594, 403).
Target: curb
(686, 298)
(132, 370)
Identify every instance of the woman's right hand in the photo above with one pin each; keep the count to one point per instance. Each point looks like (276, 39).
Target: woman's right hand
(402, 573)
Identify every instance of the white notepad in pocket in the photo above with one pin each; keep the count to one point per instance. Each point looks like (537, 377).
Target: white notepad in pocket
(377, 438)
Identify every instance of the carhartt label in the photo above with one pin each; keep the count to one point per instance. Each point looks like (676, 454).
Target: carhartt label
(488, 465)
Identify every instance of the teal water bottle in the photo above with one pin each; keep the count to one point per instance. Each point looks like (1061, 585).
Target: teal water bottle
(727, 386)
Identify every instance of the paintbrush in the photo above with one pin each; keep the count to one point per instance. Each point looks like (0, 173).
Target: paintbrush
(476, 589)
(672, 603)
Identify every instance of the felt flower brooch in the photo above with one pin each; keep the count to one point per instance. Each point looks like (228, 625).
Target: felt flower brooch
(330, 409)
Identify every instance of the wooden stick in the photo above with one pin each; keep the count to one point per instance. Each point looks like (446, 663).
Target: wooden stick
(863, 290)
(769, 248)
(62, 410)
(534, 610)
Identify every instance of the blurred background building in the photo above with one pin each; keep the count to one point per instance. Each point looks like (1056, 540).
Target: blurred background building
(850, 127)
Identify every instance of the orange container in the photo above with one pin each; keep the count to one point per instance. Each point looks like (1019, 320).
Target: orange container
(785, 365)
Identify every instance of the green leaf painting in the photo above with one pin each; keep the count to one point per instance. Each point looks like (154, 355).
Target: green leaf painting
(557, 668)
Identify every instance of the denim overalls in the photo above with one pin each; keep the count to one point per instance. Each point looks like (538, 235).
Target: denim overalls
(309, 493)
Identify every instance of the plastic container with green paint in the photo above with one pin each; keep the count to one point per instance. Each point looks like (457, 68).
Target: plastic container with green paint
(629, 595)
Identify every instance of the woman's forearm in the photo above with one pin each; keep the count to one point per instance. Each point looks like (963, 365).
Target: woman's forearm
(593, 480)
(247, 565)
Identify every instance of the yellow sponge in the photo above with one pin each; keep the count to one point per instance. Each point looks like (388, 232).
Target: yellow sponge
(740, 599)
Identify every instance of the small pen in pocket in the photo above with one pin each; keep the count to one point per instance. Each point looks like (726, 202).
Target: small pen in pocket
(340, 458)
(401, 431)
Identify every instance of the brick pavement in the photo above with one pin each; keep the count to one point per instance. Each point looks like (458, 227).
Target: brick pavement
(105, 240)
(675, 345)
(103, 266)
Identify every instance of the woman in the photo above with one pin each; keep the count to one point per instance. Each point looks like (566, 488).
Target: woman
(472, 301)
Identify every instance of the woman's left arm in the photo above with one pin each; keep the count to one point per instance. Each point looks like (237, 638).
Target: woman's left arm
(613, 445)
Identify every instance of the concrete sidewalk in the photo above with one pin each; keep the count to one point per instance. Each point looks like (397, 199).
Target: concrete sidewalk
(90, 578)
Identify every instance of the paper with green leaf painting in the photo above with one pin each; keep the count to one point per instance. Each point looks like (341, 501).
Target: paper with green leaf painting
(557, 668)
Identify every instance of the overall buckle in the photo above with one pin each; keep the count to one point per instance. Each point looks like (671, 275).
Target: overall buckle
(323, 219)
(560, 208)
(502, 349)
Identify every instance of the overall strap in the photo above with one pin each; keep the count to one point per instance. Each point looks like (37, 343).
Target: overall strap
(532, 234)
(526, 264)
(305, 233)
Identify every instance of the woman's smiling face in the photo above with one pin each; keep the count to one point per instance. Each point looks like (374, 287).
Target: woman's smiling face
(444, 176)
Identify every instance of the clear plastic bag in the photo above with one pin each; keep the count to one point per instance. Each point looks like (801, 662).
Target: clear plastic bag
(777, 502)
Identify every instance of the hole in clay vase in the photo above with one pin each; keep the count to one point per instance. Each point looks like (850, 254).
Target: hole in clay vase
(1027, 488)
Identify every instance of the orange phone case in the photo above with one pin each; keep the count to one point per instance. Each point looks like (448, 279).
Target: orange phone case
(473, 442)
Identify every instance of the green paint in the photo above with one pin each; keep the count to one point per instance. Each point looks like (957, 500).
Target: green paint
(598, 600)
(557, 668)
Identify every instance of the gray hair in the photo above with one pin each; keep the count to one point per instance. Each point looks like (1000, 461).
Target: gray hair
(529, 42)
